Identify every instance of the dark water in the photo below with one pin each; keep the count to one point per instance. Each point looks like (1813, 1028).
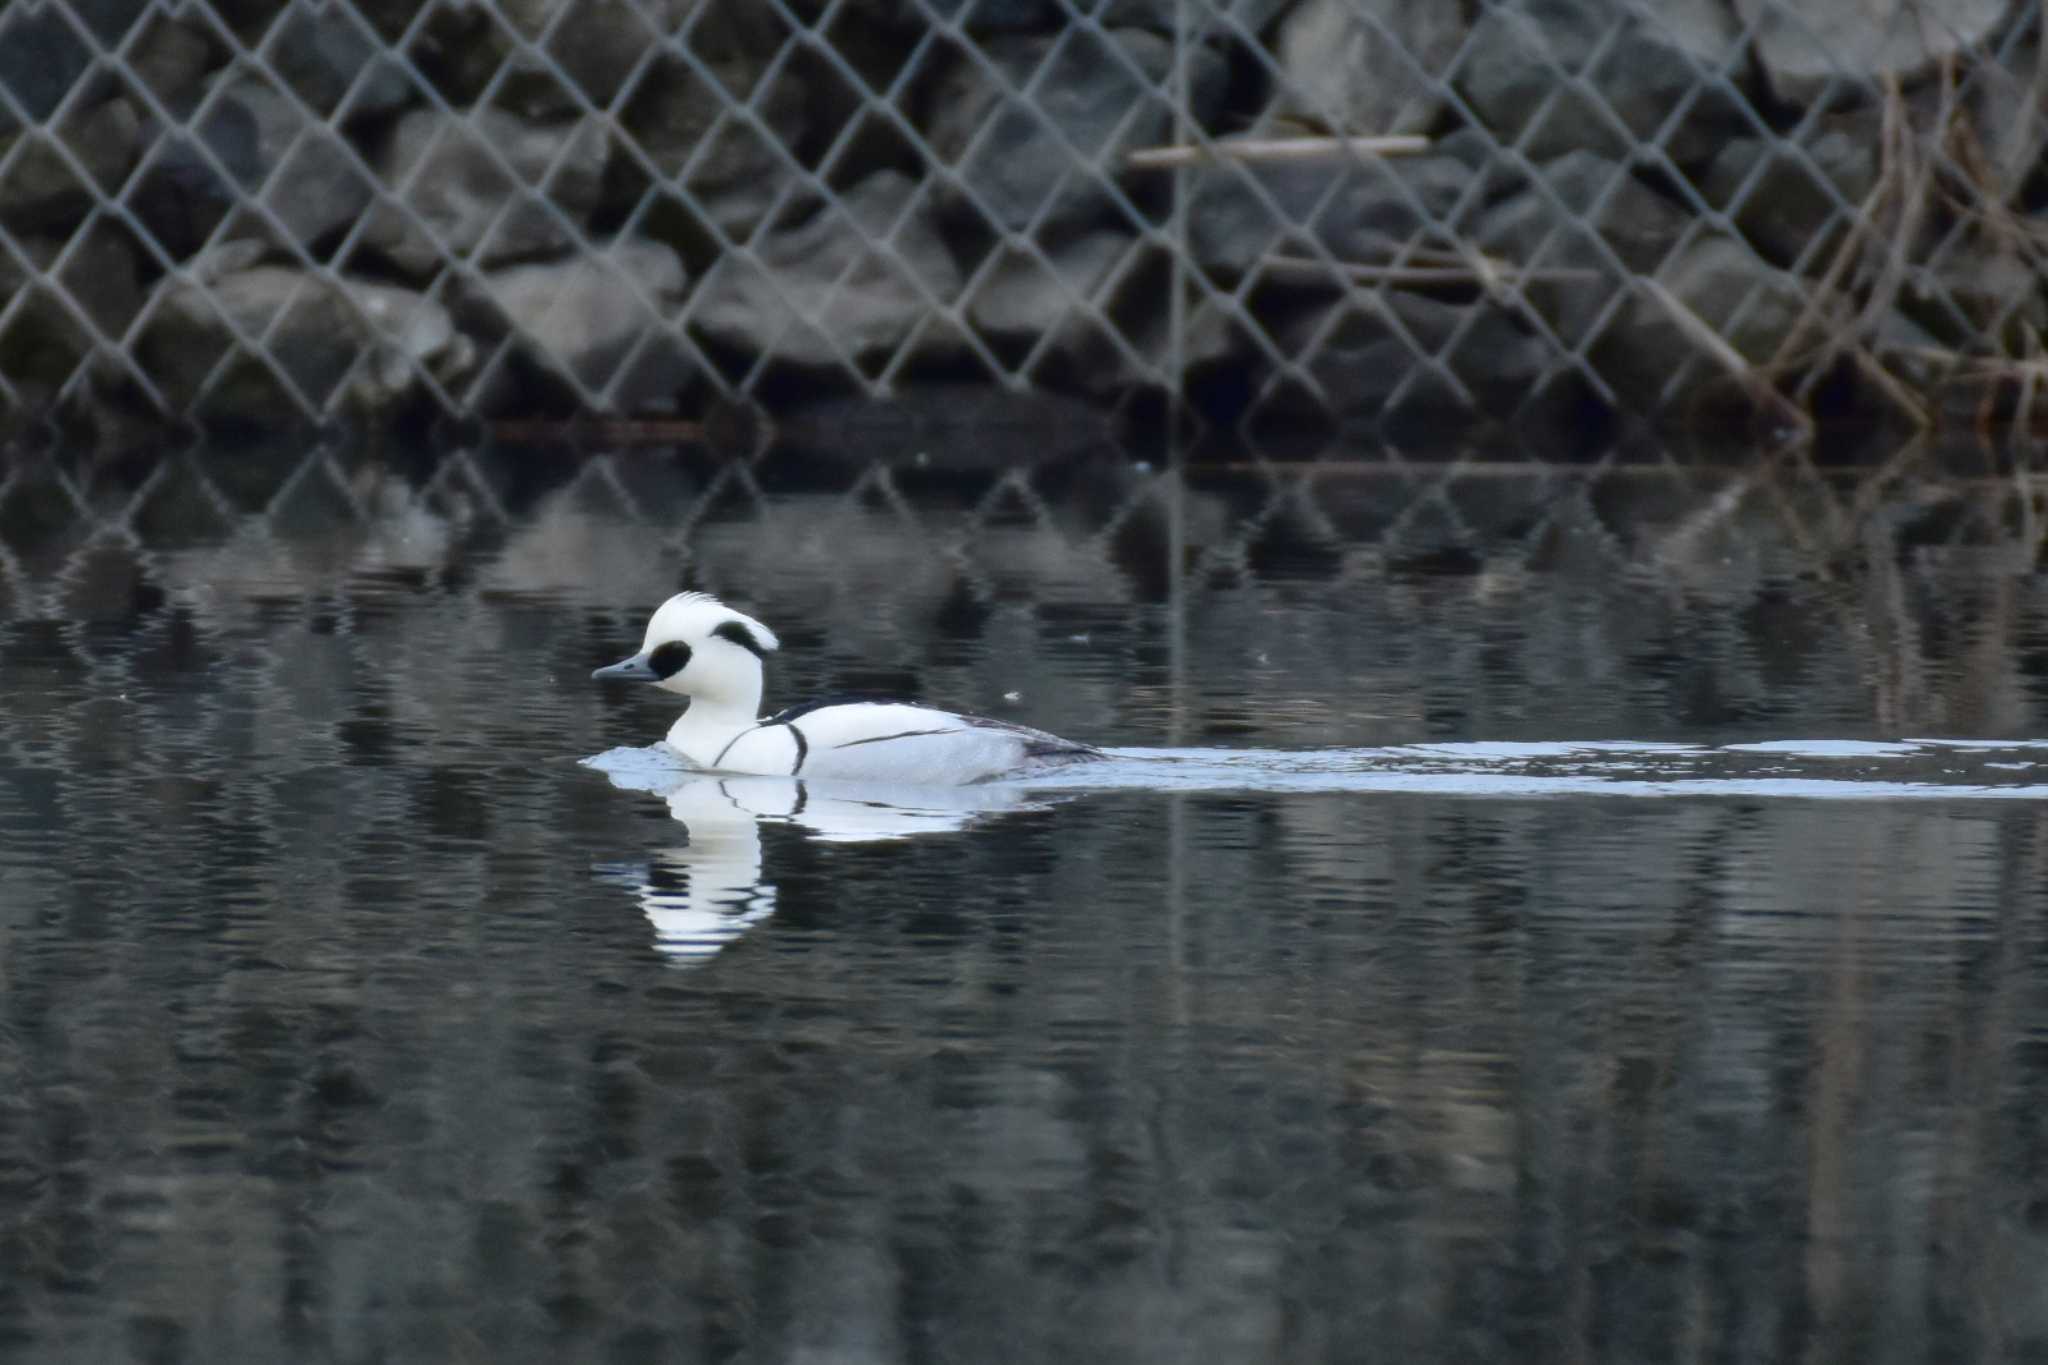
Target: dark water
(345, 1014)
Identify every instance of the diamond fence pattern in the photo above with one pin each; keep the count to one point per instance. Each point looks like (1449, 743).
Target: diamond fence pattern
(1377, 215)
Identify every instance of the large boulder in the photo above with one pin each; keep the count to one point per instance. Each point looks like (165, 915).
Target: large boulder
(606, 318)
(1412, 365)
(1357, 209)
(325, 53)
(486, 186)
(1366, 66)
(84, 284)
(197, 173)
(290, 339)
(1582, 232)
(851, 282)
(1793, 196)
(41, 192)
(1049, 158)
(306, 176)
(1605, 76)
(1814, 46)
(733, 171)
(1654, 357)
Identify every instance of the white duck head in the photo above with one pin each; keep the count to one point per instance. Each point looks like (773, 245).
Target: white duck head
(697, 647)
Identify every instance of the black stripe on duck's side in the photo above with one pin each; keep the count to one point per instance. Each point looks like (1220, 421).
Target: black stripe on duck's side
(900, 734)
(802, 709)
(803, 750)
(720, 760)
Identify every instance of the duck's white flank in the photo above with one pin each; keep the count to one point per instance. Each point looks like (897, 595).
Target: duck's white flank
(698, 647)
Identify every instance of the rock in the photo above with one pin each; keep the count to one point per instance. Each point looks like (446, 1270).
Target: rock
(820, 294)
(320, 52)
(455, 173)
(1649, 356)
(1016, 160)
(1209, 19)
(606, 318)
(1789, 197)
(1021, 299)
(1590, 216)
(595, 43)
(307, 176)
(988, 16)
(1243, 212)
(1241, 19)
(41, 58)
(732, 173)
(1353, 350)
(172, 59)
(39, 192)
(45, 341)
(1809, 48)
(314, 332)
(1638, 79)
(182, 197)
(1351, 65)
(1978, 293)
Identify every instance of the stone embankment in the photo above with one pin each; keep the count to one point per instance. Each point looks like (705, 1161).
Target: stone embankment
(540, 206)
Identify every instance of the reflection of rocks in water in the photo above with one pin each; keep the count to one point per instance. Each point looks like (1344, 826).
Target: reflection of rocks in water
(709, 891)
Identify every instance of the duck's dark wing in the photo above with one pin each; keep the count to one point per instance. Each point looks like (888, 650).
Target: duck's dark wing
(1038, 745)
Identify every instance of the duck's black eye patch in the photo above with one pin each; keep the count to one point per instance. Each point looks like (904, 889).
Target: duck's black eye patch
(741, 636)
(669, 659)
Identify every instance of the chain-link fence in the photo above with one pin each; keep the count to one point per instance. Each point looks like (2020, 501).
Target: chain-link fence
(1381, 214)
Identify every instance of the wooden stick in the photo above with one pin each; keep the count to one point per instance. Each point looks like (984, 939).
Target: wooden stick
(1728, 358)
(1484, 270)
(1274, 149)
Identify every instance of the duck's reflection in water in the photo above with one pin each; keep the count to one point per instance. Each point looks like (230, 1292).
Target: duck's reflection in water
(708, 891)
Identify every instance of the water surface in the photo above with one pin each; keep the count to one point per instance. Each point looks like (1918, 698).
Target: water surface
(1511, 929)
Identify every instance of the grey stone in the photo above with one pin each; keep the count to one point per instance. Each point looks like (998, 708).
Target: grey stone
(41, 192)
(1787, 197)
(315, 331)
(309, 179)
(606, 317)
(821, 293)
(1357, 210)
(1050, 159)
(172, 59)
(1656, 61)
(1807, 48)
(486, 185)
(732, 169)
(1022, 299)
(1647, 354)
(195, 176)
(595, 43)
(1587, 215)
(1365, 66)
(1367, 350)
(322, 52)
(46, 342)
(41, 58)
(1209, 19)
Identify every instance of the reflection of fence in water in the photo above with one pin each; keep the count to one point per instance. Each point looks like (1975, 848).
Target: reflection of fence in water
(1776, 583)
(639, 207)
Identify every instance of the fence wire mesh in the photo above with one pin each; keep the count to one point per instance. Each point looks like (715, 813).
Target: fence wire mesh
(1373, 213)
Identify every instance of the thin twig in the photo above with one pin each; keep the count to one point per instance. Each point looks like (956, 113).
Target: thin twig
(1483, 271)
(1728, 358)
(1274, 149)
